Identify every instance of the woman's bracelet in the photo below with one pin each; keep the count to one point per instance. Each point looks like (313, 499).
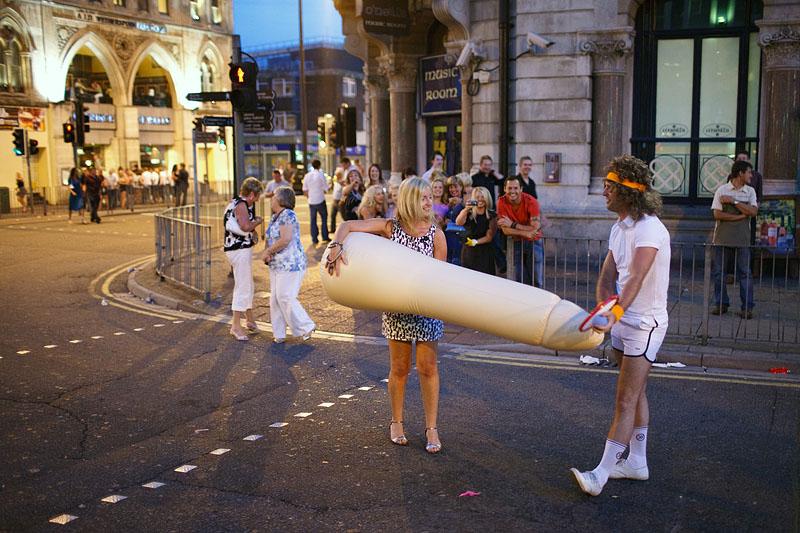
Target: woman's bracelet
(334, 243)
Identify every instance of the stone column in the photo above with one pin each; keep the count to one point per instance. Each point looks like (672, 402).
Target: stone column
(401, 70)
(608, 51)
(780, 144)
(380, 133)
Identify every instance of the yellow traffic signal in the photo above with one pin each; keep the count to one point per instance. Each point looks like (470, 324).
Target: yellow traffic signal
(240, 75)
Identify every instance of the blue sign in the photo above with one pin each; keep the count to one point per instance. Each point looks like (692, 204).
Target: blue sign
(356, 150)
(440, 86)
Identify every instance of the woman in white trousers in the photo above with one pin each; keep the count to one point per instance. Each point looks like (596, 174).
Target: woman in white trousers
(287, 266)
(238, 246)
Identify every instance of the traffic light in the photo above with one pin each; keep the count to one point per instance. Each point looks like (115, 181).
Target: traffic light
(81, 123)
(19, 141)
(243, 78)
(69, 132)
(333, 135)
(347, 126)
(321, 131)
(33, 147)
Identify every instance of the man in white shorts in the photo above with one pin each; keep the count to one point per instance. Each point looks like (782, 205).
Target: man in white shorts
(636, 269)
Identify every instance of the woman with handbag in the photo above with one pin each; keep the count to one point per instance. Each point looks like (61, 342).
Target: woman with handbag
(240, 220)
(287, 266)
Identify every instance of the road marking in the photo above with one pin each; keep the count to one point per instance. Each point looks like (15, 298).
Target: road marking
(63, 519)
(279, 424)
(253, 437)
(185, 468)
(303, 415)
(24, 352)
(114, 498)
(345, 396)
(219, 451)
(326, 404)
(50, 346)
(95, 337)
(118, 333)
(153, 485)
(511, 361)
(75, 341)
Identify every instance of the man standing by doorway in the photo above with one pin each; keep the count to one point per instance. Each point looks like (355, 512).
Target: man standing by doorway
(436, 166)
(315, 186)
(733, 205)
(637, 264)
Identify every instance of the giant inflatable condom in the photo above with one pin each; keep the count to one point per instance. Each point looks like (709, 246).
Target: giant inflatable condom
(382, 275)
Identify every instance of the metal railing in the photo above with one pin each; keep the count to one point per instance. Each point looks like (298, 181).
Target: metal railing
(570, 268)
(183, 248)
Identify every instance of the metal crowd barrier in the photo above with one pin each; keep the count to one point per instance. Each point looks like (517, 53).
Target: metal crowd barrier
(570, 268)
(183, 249)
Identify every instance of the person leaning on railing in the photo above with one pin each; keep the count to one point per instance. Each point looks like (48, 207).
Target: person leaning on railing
(238, 248)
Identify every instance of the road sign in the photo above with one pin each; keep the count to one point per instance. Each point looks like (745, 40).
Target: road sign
(204, 136)
(217, 121)
(257, 121)
(266, 95)
(210, 96)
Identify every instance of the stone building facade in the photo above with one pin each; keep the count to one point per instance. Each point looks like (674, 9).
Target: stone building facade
(131, 61)
(683, 84)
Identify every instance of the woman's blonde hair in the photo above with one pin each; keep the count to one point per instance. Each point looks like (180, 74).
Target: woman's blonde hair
(369, 201)
(466, 179)
(487, 198)
(250, 185)
(409, 202)
(440, 179)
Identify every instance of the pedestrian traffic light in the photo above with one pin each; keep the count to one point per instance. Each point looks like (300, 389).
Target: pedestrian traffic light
(321, 131)
(244, 77)
(33, 147)
(86, 119)
(333, 135)
(81, 123)
(69, 132)
(19, 141)
(347, 126)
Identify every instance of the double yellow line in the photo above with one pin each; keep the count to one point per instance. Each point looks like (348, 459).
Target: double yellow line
(656, 373)
(100, 288)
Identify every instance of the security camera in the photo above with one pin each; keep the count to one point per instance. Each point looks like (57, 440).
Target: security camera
(466, 55)
(534, 39)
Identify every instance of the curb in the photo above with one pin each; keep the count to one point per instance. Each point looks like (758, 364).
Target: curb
(146, 294)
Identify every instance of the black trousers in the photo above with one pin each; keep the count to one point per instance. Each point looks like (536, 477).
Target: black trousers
(94, 203)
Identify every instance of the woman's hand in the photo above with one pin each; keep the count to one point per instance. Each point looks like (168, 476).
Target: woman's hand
(335, 257)
(266, 256)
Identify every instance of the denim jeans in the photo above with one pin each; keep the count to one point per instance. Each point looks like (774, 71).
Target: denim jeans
(322, 210)
(721, 253)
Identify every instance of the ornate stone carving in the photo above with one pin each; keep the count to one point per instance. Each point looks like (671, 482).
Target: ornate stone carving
(781, 48)
(377, 86)
(64, 34)
(401, 70)
(454, 14)
(608, 49)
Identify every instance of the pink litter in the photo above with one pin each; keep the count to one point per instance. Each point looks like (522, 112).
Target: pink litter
(469, 494)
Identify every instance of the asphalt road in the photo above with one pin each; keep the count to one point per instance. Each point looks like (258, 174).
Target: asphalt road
(146, 391)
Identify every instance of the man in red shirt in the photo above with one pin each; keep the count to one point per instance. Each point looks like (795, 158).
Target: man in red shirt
(518, 217)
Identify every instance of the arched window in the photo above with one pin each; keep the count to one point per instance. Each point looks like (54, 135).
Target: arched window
(11, 48)
(208, 74)
(697, 69)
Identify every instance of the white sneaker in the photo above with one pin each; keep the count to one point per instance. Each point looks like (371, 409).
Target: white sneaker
(588, 482)
(623, 470)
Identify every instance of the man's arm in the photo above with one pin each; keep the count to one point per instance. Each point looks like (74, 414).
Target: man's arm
(729, 217)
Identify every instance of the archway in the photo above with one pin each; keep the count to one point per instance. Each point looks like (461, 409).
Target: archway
(87, 79)
(152, 85)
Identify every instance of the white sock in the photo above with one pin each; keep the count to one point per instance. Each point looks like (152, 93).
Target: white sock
(637, 457)
(611, 454)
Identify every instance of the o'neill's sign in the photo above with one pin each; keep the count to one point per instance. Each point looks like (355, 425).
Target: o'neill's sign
(440, 86)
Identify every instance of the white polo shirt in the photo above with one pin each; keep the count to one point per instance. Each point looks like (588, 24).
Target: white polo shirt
(650, 305)
(315, 186)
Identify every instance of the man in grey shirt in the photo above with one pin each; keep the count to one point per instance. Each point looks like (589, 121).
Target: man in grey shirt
(733, 205)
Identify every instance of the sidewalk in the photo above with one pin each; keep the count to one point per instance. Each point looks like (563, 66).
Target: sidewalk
(332, 317)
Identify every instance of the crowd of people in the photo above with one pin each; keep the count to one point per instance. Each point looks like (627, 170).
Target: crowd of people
(95, 188)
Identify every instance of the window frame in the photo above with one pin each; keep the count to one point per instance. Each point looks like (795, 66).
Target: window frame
(644, 138)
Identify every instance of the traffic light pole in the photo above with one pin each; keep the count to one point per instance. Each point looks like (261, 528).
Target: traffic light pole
(303, 106)
(30, 179)
(238, 129)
